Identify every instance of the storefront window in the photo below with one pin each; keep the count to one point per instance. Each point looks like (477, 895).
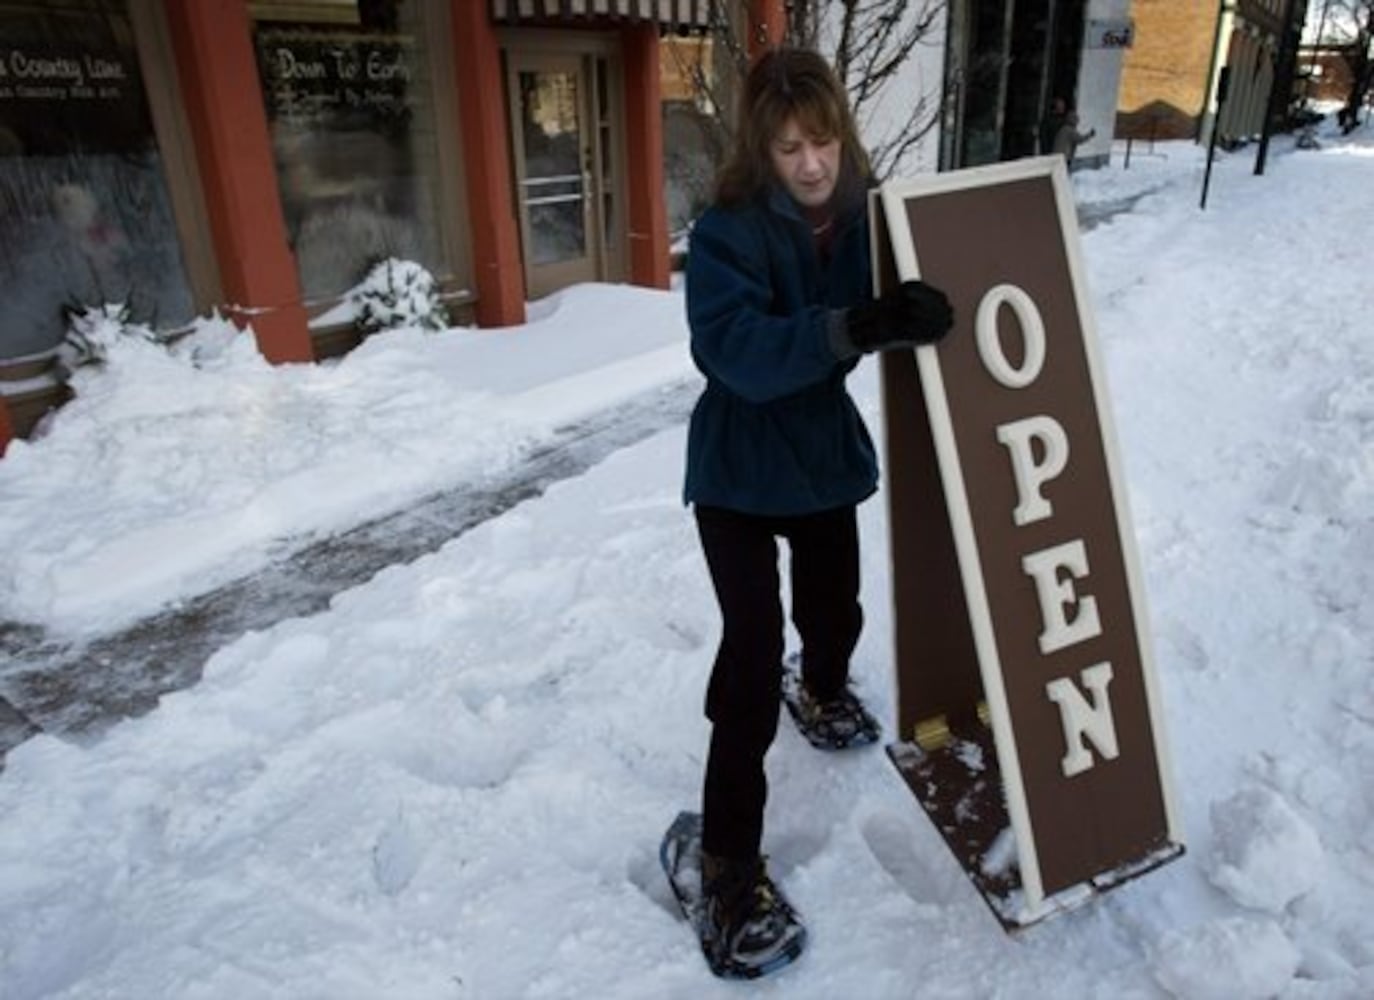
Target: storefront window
(349, 104)
(84, 209)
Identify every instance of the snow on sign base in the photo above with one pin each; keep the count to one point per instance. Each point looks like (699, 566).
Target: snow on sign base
(960, 788)
(1021, 629)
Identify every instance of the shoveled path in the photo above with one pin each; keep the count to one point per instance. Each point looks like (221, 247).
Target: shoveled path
(78, 688)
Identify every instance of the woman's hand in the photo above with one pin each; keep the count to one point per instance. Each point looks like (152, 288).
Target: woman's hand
(911, 314)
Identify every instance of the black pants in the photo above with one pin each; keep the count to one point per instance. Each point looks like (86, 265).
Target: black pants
(744, 695)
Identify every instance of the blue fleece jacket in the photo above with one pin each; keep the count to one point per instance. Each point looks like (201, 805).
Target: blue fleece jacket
(775, 432)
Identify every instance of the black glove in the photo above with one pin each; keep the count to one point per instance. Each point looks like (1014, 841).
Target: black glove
(912, 313)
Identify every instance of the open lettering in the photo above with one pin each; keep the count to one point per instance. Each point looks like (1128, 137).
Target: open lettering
(1057, 596)
(1038, 448)
(1022, 438)
(1080, 719)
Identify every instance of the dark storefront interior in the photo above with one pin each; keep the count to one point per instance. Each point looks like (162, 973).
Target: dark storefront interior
(1006, 61)
(82, 178)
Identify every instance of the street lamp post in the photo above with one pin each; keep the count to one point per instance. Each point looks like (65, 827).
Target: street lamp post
(1223, 84)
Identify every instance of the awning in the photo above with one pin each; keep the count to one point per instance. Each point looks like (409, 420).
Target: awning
(678, 16)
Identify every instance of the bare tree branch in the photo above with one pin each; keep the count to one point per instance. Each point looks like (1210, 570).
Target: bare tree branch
(872, 45)
(1349, 27)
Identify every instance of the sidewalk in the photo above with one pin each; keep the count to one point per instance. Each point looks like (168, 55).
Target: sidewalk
(79, 690)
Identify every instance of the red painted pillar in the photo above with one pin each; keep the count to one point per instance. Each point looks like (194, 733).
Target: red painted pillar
(767, 25)
(6, 427)
(223, 100)
(498, 270)
(647, 213)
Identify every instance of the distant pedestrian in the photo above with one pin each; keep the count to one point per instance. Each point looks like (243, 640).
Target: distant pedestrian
(1068, 138)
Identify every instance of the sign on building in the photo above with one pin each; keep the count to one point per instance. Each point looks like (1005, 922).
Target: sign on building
(1029, 714)
(1109, 34)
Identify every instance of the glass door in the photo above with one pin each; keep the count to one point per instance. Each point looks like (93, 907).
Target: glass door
(555, 162)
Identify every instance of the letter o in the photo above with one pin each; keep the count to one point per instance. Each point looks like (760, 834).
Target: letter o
(990, 345)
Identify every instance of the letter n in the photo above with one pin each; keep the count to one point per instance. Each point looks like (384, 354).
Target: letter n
(1080, 719)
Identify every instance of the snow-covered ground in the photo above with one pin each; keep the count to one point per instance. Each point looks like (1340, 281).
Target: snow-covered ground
(171, 473)
(453, 783)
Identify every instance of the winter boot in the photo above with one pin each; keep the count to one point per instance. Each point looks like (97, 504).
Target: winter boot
(835, 724)
(748, 927)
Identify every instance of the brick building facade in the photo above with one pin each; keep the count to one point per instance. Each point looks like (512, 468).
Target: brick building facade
(1171, 77)
(1164, 82)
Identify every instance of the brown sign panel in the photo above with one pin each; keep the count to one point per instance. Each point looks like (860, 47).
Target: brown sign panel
(1016, 588)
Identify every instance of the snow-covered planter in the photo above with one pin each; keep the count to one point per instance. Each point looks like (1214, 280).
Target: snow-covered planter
(94, 332)
(397, 293)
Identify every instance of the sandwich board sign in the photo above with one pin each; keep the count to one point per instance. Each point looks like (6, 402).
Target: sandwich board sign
(1029, 717)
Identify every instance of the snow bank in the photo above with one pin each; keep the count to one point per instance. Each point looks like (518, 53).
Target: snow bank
(1234, 958)
(1265, 854)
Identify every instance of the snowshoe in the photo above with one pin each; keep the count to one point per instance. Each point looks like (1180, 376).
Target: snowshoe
(744, 924)
(837, 724)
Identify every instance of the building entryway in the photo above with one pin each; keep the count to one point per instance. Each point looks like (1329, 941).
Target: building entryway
(565, 134)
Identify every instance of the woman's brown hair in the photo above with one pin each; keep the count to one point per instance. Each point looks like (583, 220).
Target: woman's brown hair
(782, 83)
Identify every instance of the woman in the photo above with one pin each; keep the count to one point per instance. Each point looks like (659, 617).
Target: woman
(780, 309)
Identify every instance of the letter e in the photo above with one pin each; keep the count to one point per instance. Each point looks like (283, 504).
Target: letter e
(1056, 595)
